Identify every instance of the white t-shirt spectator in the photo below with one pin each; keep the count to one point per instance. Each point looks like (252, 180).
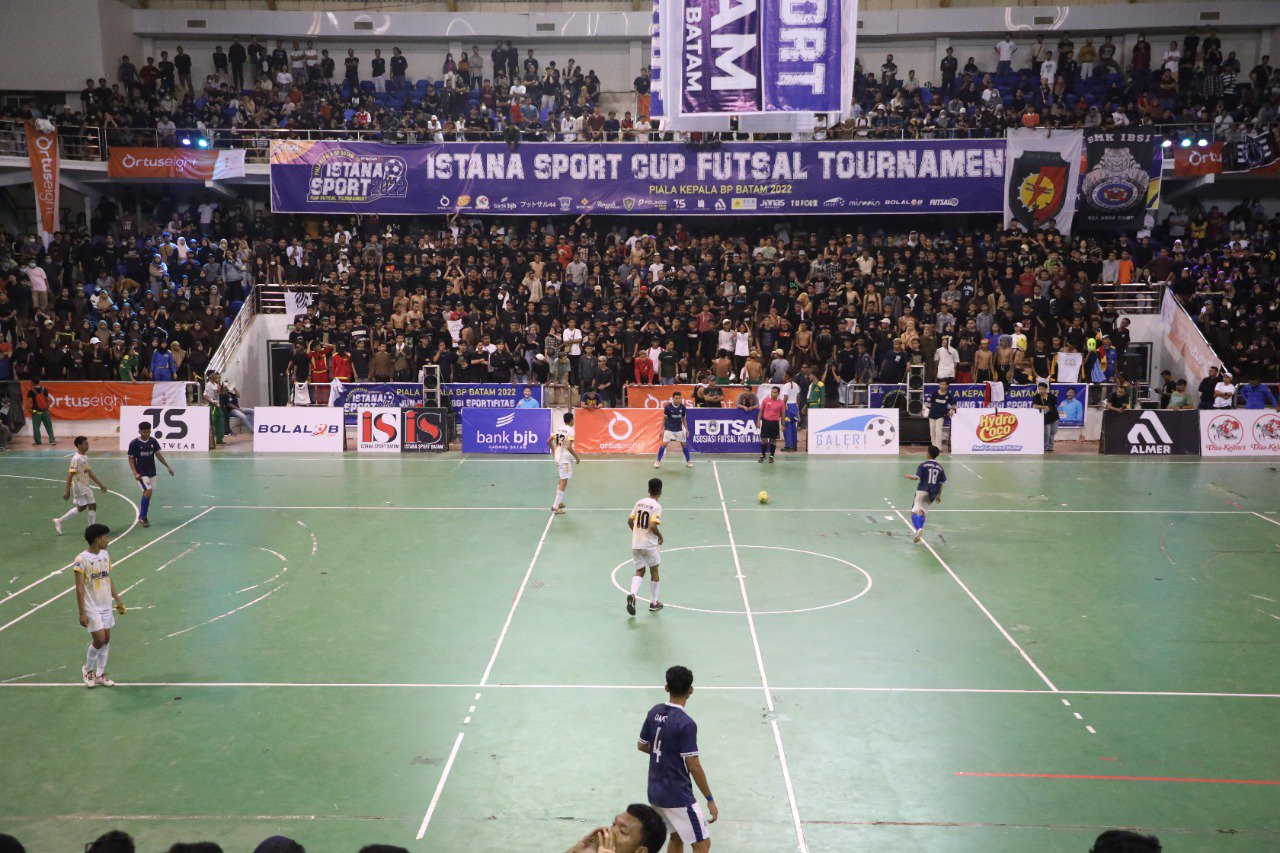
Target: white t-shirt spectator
(573, 340)
(1224, 386)
(1005, 50)
(206, 212)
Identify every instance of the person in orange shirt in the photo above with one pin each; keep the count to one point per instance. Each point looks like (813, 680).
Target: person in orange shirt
(320, 375)
(340, 365)
(1126, 269)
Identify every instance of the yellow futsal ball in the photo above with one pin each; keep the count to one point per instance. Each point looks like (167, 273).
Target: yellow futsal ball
(763, 497)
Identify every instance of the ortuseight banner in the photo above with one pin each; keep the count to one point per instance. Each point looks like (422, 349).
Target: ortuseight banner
(894, 176)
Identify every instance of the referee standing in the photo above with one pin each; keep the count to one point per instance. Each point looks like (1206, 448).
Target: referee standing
(769, 419)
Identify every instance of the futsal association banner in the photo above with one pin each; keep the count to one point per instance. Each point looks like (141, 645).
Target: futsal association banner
(752, 57)
(853, 432)
(1121, 173)
(1042, 175)
(1239, 432)
(177, 428)
(747, 178)
(723, 431)
(633, 431)
(997, 431)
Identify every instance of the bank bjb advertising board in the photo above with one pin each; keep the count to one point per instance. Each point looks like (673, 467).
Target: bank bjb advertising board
(506, 431)
(849, 432)
(297, 429)
(997, 431)
(1239, 432)
(177, 428)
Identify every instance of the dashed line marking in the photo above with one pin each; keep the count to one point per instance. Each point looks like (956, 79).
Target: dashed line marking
(1090, 730)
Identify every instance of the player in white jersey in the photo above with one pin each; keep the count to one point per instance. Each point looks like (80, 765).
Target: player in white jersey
(644, 520)
(79, 488)
(561, 444)
(95, 593)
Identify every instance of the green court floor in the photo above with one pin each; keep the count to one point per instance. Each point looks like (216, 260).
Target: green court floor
(413, 651)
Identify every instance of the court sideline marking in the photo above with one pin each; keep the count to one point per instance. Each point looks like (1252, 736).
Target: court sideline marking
(484, 679)
(57, 572)
(764, 678)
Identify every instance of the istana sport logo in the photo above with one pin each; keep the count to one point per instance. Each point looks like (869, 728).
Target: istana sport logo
(996, 426)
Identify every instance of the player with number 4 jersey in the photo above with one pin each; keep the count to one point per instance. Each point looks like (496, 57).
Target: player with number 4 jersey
(670, 738)
(644, 521)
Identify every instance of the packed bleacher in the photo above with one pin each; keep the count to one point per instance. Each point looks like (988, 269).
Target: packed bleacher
(260, 90)
(598, 303)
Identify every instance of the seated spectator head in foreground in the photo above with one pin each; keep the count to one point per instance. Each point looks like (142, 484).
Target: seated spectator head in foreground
(639, 829)
(1125, 841)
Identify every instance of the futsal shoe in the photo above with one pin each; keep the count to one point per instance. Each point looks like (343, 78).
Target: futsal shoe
(919, 535)
(688, 464)
(657, 464)
(656, 606)
(57, 525)
(631, 605)
(89, 680)
(103, 680)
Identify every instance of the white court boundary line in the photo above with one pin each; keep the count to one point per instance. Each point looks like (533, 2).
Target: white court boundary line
(723, 688)
(57, 572)
(764, 678)
(131, 554)
(1026, 657)
(1264, 518)
(1016, 510)
(484, 679)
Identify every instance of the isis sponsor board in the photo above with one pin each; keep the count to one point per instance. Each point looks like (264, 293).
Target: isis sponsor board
(506, 431)
(378, 430)
(853, 432)
(425, 430)
(1151, 432)
(723, 431)
(633, 431)
(1239, 432)
(177, 429)
(996, 431)
(298, 429)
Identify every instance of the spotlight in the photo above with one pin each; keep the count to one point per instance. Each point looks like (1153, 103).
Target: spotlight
(1202, 143)
(1186, 143)
(186, 142)
(202, 142)
(1168, 143)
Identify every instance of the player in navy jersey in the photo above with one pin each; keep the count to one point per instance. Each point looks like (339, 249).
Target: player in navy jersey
(670, 737)
(673, 429)
(930, 476)
(143, 453)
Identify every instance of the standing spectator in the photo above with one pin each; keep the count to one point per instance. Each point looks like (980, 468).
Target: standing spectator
(352, 75)
(213, 396)
(1046, 401)
(1257, 396)
(182, 65)
(642, 85)
(378, 70)
(1005, 50)
(127, 74)
(38, 281)
(167, 69)
(40, 401)
(1107, 56)
(1224, 393)
(220, 63)
(237, 56)
(948, 68)
(942, 405)
(399, 70)
(1206, 389)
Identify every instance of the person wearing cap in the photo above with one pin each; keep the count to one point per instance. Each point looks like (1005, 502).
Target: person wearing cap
(1224, 393)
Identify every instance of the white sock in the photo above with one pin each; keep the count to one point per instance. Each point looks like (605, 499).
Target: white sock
(68, 514)
(559, 498)
(91, 659)
(93, 516)
(653, 590)
(635, 584)
(102, 658)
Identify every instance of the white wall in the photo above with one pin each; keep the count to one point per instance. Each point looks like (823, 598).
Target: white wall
(53, 45)
(247, 368)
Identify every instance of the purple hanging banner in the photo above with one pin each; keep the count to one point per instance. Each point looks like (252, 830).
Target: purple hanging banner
(801, 56)
(720, 60)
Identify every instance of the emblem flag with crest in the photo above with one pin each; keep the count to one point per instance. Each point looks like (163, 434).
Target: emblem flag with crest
(1041, 178)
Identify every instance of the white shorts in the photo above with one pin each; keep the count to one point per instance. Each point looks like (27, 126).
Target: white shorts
(100, 618)
(147, 483)
(645, 558)
(565, 469)
(922, 502)
(82, 495)
(674, 435)
(687, 822)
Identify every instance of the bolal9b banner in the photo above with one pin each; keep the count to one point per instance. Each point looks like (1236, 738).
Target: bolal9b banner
(1121, 172)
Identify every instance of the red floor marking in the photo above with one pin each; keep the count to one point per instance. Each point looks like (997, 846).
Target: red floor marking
(1123, 778)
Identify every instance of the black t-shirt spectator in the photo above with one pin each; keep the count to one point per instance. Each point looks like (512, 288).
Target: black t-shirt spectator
(399, 65)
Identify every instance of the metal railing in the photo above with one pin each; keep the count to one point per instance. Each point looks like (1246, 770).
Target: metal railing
(1133, 298)
(235, 333)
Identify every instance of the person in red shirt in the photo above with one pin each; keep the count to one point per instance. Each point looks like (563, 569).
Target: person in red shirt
(769, 420)
(320, 375)
(340, 365)
(644, 370)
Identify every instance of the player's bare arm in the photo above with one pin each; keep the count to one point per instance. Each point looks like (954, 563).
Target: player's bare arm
(115, 595)
(631, 521)
(700, 779)
(910, 476)
(94, 477)
(573, 450)
(66, 493)
(646, 748)
(164, 462)
(84, 618)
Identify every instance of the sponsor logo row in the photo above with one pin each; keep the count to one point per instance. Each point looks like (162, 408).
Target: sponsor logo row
(1232, 432)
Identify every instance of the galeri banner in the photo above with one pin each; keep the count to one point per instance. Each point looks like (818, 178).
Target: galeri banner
(1122, 170)
(176, 164)
(897, 176)
(42, 151)
(1041, 177)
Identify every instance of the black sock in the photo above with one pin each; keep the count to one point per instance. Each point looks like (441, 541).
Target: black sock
(763, 448)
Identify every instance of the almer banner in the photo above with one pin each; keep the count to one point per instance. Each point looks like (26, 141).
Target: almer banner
(896, 176)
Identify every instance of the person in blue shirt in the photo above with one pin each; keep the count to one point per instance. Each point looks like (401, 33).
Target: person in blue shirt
(163, 368)
(670, 738)
(1257, 396)
(143, 453)
(942, 405)
(930, 477)
(527, 401)
(673, 429)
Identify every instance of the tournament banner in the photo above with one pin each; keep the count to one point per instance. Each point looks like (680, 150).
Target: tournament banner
(298, 429)
(634, 431)
(506, 431)
(853, 432)
(723, 431)
(997, 431)
(177, 428)
(973, 395)
(42, 153)
(1252, 151)
(656, 99)
(1041, 178)
(374, 395)
(750, 178)
(92, 401)
(175, 164)
(657, 396)
(1120, 167)
(378, 430)
(1183, 336)
(486, 395)
(425, 430)
(1151, 432)
(1239, 432)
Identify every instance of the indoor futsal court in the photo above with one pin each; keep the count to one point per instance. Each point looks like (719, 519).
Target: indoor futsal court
(312, 647)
